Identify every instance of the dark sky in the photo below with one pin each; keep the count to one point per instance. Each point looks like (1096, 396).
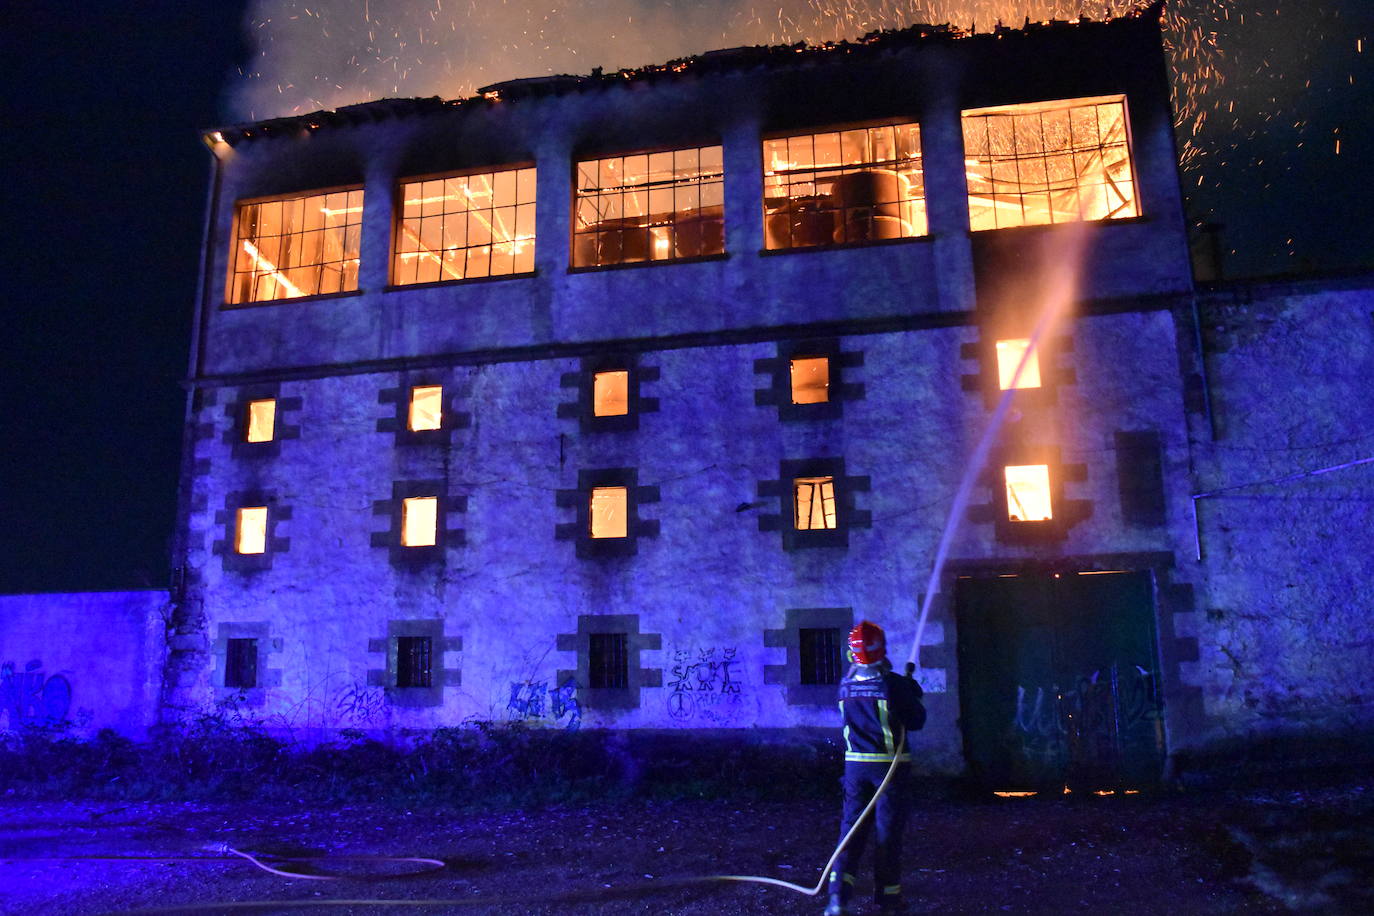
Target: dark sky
(104, 183)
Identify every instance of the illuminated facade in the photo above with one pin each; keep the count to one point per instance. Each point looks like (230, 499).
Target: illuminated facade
(613, 401)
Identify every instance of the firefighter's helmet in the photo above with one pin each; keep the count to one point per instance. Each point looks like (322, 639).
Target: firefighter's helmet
(867, 644)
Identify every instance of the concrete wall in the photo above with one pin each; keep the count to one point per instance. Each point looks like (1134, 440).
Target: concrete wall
(1286, 633)
(92, 659)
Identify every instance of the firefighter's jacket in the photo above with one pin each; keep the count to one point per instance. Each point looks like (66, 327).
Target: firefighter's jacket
(878, 707)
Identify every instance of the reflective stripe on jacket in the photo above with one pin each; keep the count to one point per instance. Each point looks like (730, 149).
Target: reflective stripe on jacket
(877, 707)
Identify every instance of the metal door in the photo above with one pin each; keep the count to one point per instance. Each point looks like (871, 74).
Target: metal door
(1059, 680)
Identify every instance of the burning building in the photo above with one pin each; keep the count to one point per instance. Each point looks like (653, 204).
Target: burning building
(613, 401)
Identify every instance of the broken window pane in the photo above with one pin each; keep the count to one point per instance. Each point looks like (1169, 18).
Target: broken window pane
(414, 661)
(419, 521)
(649, 207)
(611, 393)
(814, 500)
(426, 407)
(300, 245)
(608, 660)
(262, 416)
(1028, 492)
(465, 226)
(811, 380)
(843, 187)
(1048, 162)
(1009, 354)
(250, 534)
(609, 508)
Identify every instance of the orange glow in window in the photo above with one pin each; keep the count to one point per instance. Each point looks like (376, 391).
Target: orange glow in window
(1009, 354)
(304, 245)
(814, 503)
(611, 393)
(609, 510)
(426, 407)
(1049, 162)
(250, 535)
(262, 417)
(1028, 492)
(466, 226)
(419, 521)
(811, 380)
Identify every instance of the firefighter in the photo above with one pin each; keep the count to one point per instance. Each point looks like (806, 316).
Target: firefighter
(880, 711)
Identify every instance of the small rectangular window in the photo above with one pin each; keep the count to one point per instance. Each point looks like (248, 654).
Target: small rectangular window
(414, 665)
(649, 207)
(241, 663)
(250, 533)
(419, 521)
(845, 186)
(1028, 492)
(611, 393)
(1049, 162)
(821, 658)
(465, 226)
(609, 508)
(811, 380)
(426, 407)
(608, 660)
(1009, 354)
(815, 503)
(262, 420)
(302, 245)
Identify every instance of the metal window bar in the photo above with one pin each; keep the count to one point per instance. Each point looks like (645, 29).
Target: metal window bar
(241, 663)
(414, 655)
(609, 660)
(821, 661)
(814, 501)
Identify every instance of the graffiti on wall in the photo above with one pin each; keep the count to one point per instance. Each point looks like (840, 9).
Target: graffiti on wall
(32, 696)
(532, 701)
(704, 686)
(360, 704)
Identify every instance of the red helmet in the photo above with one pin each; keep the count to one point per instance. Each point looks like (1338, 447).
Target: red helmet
(867, 644)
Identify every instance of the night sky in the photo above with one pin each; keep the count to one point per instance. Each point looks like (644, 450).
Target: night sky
(105, 185)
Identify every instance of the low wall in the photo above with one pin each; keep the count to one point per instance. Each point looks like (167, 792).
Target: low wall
(92, 659)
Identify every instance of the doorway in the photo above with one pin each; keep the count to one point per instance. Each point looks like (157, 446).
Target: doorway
(1059, 680)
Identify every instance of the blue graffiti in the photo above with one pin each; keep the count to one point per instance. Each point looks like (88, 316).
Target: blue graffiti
(528, 699)
(32, 697)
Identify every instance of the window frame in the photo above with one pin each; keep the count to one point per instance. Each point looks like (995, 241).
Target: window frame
(410, 674)
(240, 656)
(619, 660)
(812, 668)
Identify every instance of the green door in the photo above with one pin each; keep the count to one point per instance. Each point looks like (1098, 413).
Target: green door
(1059, 680)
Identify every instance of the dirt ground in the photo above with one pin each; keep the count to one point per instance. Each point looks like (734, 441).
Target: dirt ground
(1262, 849)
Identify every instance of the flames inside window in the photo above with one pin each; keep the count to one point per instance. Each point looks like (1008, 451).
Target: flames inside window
(1049, 162)
(1028, 493)
(649, 207)
(1009, 356)
(250, 534)
(426, 407)
(810, 380)
(814, 503)
(611, 393)
(262, 417)
(466, 226)
(419, 521)
(296, 246)
(609, 510)
(846, 186)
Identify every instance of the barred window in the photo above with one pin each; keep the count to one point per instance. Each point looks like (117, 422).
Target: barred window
(1028, 492)
(839, 187)
(821, 658)
(649, 207)
(461, 227)
(241, 663)
(426, 408)
(414, 661)
(810, 379)
(815, 503)
(1049, 162)
(302, 245)
(1009, 356)
(608, 660)
(250, 532)
(262, 420)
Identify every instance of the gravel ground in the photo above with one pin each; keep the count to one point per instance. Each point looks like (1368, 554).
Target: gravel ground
(1260, 849)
